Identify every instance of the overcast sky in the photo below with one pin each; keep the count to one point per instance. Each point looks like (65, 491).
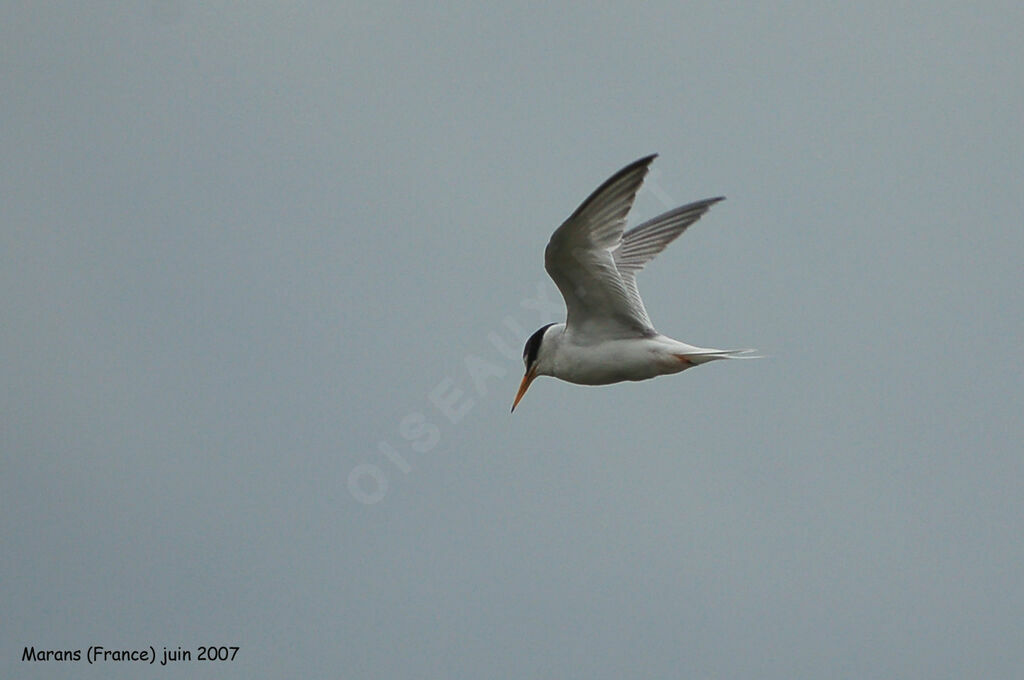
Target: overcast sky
(267, 272)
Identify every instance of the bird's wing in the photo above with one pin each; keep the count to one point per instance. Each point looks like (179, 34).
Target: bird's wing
(642, 243)
(579, 260)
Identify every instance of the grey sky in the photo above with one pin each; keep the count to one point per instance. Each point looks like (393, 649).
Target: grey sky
(250, 249)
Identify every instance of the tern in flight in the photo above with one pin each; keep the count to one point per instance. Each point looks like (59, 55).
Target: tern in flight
(607, 336)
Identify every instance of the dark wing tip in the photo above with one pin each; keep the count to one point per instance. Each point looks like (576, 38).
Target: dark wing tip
(638, 163)
(705, 203)
(646, 160)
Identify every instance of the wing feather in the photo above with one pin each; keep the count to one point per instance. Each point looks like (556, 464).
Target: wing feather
(578, 258)
(594, 264)
(642, 243)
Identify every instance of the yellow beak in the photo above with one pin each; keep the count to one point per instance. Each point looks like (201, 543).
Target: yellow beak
(523, 386)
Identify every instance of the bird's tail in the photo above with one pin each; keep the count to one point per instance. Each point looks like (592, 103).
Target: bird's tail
(704, 356)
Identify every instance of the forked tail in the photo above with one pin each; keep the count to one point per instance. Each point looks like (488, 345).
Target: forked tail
(702, 357)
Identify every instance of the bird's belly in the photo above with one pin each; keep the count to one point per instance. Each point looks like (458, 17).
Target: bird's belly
(616, 361)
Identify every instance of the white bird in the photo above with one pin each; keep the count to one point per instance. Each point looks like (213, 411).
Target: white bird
(607, 336)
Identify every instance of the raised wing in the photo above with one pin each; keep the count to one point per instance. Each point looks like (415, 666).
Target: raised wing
(642, 243)
(579, 259)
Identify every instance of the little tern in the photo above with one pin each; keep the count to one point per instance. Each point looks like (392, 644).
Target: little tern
(607, 336)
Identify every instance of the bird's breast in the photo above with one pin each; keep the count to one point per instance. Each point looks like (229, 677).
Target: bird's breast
(614, 361)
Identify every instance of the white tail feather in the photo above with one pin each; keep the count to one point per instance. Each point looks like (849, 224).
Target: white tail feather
(713, 354)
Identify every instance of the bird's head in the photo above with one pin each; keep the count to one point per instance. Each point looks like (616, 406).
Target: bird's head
(535, 355)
